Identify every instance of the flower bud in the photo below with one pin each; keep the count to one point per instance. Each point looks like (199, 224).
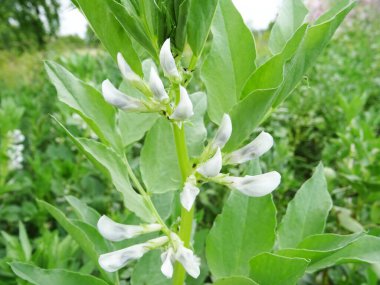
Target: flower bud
(189, 261)
(168, 63)
(113, 231)
(131, 76)
(254, 186)
(211, 167)
(115, 260)
(260, 145)
(157, 86)
(120, 100)
(189, 193)
(167, 259)
(184, 109)
(224, 132)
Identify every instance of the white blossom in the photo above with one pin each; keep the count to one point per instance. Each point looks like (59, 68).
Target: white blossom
(211, 167)
(185, 256)
(260, 145)
(15, 149)
(115, 260)
(113, 231)
(189, 193)
(184, 109)
(254, 186)
(131, 76)
(157, 87)
(224, 132)
(120, 100)
(168, 260)
(168, 63)
(17, 136)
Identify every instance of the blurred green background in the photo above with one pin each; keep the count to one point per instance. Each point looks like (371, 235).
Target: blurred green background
(333, 117)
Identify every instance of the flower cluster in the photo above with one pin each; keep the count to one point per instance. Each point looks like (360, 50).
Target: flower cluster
(209, 170)
(156, 98)
(14, 151)
(173, 247)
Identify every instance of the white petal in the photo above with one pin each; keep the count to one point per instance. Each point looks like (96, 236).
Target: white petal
(184, 109)
(189, 261)
(167, 259)
(116, 232)
(224, 132)
(255, 186)
(189, 193)
(126, 70)
(118, 99)
(211, 167)
(260, 145)
(157, 86)
(113, 261)
(167, 61)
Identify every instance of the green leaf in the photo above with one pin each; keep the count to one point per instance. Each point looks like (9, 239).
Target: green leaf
(245, 228)
(366, 250)
(83, 212)
(317, 247)
(86, 101)
(291, 16)
(112, 165)
(38, 276)
(24, 240)
(230, 61)
(196, 132)
(259, 93)
(307, 213)
(180, 31)
(271, 269)
(147, 271)
(131, 22)
(314, 42)
(158, 161)
(85, 240)
(236, 280)
(109, 31)
(199, 22)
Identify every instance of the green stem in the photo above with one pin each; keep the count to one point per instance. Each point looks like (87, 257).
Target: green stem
(186, 217)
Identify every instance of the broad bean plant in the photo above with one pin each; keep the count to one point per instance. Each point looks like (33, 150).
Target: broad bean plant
(184, 63)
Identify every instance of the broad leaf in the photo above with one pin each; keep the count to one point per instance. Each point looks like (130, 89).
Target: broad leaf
(83, 212)
(38, 276)
(109, 31)
(291, 16)
(366, 249)
(245, 228)
(271, 269)
(181, 28)
(199, 23)
(147, 271)
(230, 61)
(86, 101)
(85, 241)
(113, 165)
(158, 164)
(238, 280)
(307, 213)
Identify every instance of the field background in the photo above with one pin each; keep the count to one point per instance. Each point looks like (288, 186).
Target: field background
(333, 117)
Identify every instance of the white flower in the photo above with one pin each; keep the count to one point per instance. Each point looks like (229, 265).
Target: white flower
(14, 149)
(17, 136)
(260, 145)
(168, 63)
(189, 193)
(113, 261)
(113, 231)
(167, 259)
(184, 109)
(120, 100)
(224, 132)
(185, 256)
(211, 167)
(131, 76)
(254, 186)
(157, 87)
